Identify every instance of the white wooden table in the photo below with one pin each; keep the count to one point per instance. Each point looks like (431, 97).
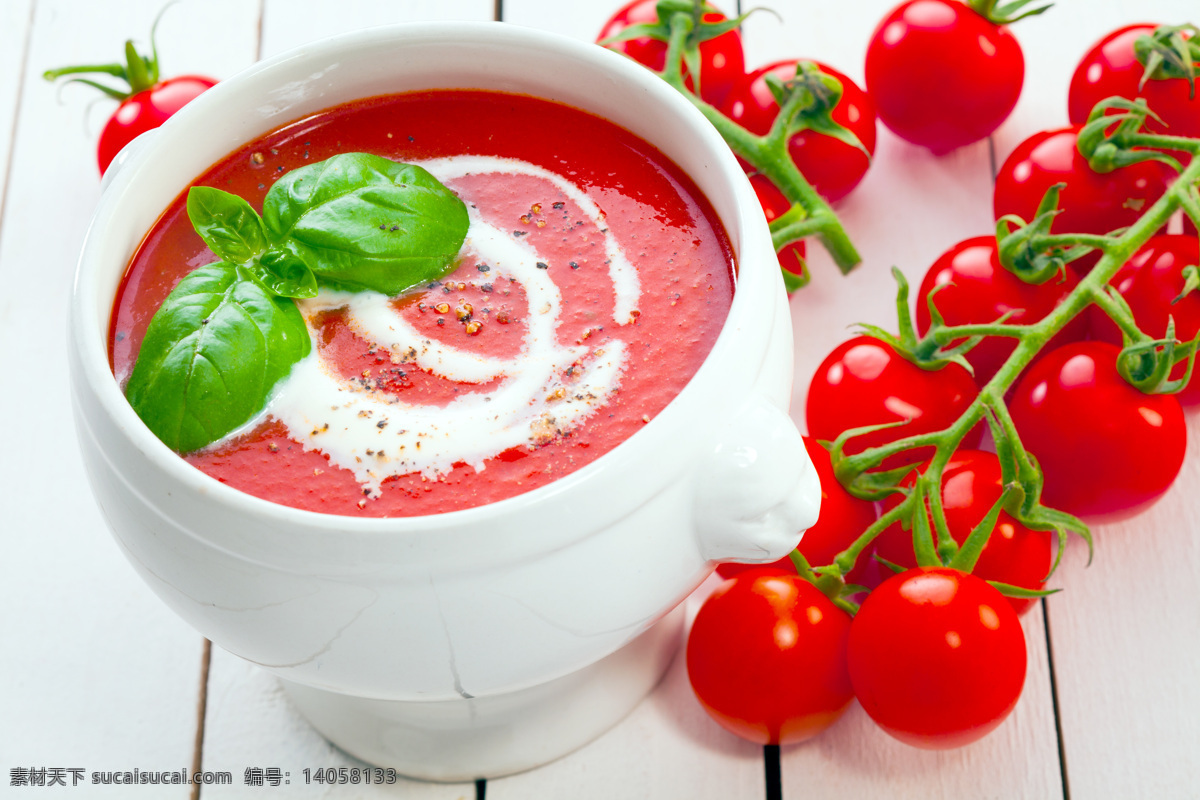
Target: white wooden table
(97, 675)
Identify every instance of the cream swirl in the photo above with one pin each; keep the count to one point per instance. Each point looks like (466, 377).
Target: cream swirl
(377, 435)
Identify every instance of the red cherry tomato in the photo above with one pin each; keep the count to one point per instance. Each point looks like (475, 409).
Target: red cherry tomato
(843, 518)
(722, 62)
(831, 166)
(1111, 68)
(767, 658)
(936, 657)
(864, 382)
(1106, 449)
(941, 75)
(146, 101)
(1091, 202)
(1150, 282)
(976, 289)
(145, 111)
(971, 485)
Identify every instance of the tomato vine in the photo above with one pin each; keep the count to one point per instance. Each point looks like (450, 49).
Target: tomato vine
(805, 103)
(1113, 136)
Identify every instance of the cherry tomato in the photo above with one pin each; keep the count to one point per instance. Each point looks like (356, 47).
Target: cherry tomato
(941, 75)
(864, 382)
(1150, 282)
(722, 62)
(831, 166)
(936, 657)
(1091, 202)
(792, 255)
(971, 485)
(1106, 449)
(975, 288)
(145, 111)
(767, 658)
(146, 101)
(843, 518)
(1111, 68)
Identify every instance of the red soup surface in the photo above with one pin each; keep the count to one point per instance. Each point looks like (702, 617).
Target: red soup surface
(593, 282)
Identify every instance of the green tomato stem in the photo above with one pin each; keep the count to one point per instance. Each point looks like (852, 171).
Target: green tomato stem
(681, 26)
(951, 333)
(116, 70)
(1031, 339)
(768, 155)
(845, 560)
(1119, 250)
(1085, 239)
(1118, 313)
(1164, 142)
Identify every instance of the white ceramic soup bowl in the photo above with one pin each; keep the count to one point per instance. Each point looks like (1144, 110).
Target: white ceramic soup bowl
(493, 639)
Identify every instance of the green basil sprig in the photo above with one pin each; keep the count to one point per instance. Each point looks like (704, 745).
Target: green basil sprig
(230, 330)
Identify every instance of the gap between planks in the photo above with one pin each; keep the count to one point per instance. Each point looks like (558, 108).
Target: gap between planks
(206, 654)
(20, 99)
(1058, 729)
(201, 716)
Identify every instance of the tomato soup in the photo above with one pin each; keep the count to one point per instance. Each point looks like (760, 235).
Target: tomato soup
(592, 284)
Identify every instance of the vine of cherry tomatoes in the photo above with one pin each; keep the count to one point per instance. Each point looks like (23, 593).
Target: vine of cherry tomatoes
(833, 165)
(935, 653)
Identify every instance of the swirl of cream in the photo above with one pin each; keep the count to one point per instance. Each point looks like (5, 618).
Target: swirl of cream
(377, 435)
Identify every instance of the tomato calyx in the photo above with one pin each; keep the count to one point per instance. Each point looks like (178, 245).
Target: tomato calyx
(829, 581)
(1005, 14)
(1172, 51)
(1146, 364)
(1028, 249)
(1108, 146)
(929, 352)
(683, 20)
(806, 102)
(1191, 281)
(138, 72)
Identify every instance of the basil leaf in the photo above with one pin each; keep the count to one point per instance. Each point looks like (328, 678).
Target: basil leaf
(283, 273)
(211, 356)
(227, 223)
(365, 222)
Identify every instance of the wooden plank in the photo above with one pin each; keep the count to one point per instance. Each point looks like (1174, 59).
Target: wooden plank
(287, 24)
(581, 21)
(855, 758)
(1126, 650)
(1123, 633)
(98, 674)
(251, 724)
(667, 747)
(15, 23)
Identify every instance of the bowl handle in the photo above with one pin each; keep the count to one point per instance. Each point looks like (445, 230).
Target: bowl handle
(757, 491)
